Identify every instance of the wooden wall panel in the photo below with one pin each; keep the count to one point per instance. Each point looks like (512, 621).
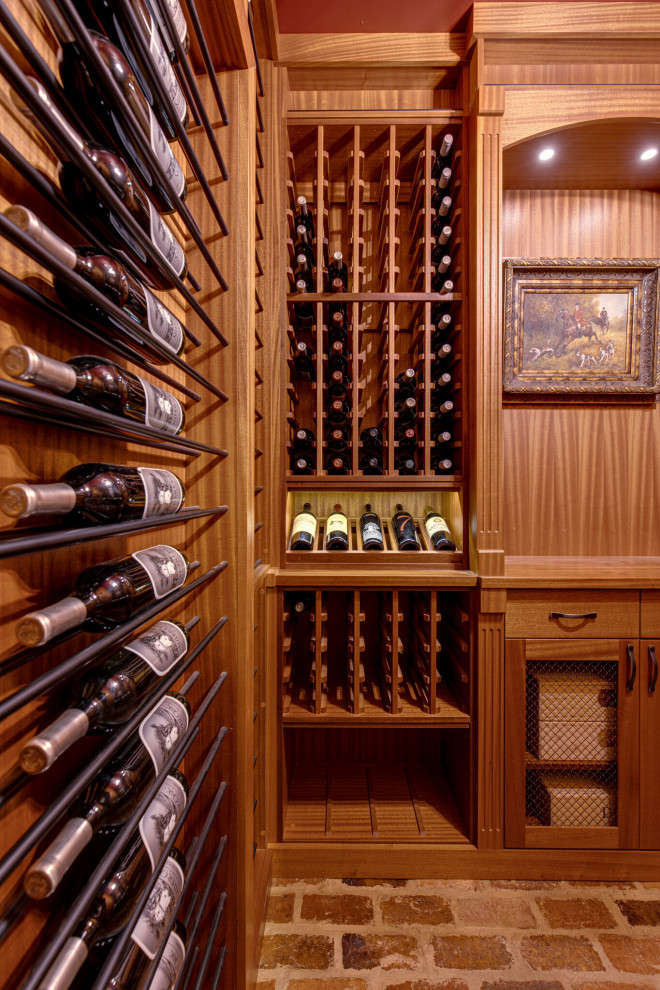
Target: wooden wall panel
(581, 479)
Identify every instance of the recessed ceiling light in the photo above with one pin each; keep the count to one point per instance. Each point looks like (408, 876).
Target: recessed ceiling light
(546, 154)
(648, 154)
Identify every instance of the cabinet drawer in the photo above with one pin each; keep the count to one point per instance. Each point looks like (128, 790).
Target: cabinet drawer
(617, 614)
(650, 615)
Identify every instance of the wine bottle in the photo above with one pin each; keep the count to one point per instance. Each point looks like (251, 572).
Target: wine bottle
(440, 320)
(107, 594)
(336, 530)
(406, 439)
(371, 463)
(443, 177)
(338, 413)
(440, 464)
(110, 693)
(441, 204)
(108, 912)
(442, 379)
(337, 332)
(441, 408)
(304, 464)
(443, 352)
(438, 435)
(303, 439)
(92, 494)
(305, 315)
(440, 259)
(97, 382)
(441, 285)
(337, 269)
(337, 464)
(304, 247)
(441, 231)
(108, 276)
(113, 796)
(404, 530)
(371, 438)
(303, 360)
(144, 51)
(443, 156)
(305, 272)
(438, 530)
(337, 441)
(405, 464)
(102, 121)
(180, 27)
(337, 359)
(406, 383)
(370, 527)
(133, 968)
(336, 284)
(406, 410)
(299, 602)
(303, 216)
(121, 180)
(303, 529)
(338, 383)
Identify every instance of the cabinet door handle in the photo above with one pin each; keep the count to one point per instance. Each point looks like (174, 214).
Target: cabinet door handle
(654, 661)
(633, 667)
(574, 615)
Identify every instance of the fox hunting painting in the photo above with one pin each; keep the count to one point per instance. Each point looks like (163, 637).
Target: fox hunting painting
(580, 326)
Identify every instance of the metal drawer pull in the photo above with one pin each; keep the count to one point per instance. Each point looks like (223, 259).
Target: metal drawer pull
(633, 667)
(576, 615)
(654, 661)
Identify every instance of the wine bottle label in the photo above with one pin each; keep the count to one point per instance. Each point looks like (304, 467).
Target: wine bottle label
(305, 522)
(436, 524)
(166, 568)
(337, 522)
(155, 917)
(163, 492)
(371, 531)
(165, 242)
(160, 818)
(170, 964)
(404, 528)
(163, 153)
(162, 646)
(161, 410)
(163, 324)
(161, 729)
(179, 19)
(165, 71)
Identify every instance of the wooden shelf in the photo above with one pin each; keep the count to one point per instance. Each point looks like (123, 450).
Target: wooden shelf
(373, 714)
(577, 572)
(367, 804)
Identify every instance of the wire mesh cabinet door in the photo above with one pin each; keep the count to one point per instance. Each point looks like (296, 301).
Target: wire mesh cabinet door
(572, 744)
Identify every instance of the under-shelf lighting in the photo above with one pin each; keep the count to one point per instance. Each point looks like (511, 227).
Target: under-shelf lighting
(546, 154)
(648, 154)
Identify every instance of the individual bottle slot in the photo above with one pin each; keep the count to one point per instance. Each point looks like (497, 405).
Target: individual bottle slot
(441, 203)
(440, 464)
(304, 363)
(337, 440)
(336, 530)
(441, 261)
(337, 464)
(303, 463)
(338, 330)
(304, 272)
(337, 270)
(100, 383)
(406, 438)
(338, 413)
(96, 494)
(406, 411)
(405, 464)
(305, 315)
(337, 385)
(303, 529)
(405, 531)
(337, 359)
(304, 245)
(437, 530)
(303, 216)
(443, 156)
(371, 530)
(406, 383)
(442, 232)
(371, 463)
(107, 594)
(443, 286)
(303, 439)
(371, 439)
(440, 406)
(299, 602)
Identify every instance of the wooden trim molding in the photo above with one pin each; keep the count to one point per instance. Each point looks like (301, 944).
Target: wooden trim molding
(371, 49)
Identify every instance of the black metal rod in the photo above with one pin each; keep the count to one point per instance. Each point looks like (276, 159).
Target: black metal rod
(191, 84)
(192, 859)
(76, 411)
(116, 97)
(84, 657)
(206, 57)
(132, 24)
(260, 123)
(190, 100)
(181, 984)
(89, 891)
(254, 47)
(208, 948)
(124, 938)
(38, 299)
(215, 982)
(194, 898)
(194, 928)
(32, 416)
(51, 539)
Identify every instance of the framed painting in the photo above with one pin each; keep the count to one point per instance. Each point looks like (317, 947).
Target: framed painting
(580, 326)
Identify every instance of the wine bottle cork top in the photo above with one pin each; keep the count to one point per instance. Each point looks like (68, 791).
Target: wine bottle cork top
(338, 256)
(39, 627)
(41, 752)
(19, 360)
(15, 500)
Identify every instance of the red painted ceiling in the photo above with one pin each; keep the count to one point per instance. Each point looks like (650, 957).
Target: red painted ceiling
(355, 16)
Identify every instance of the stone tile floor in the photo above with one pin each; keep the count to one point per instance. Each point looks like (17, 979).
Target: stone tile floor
(461, 935)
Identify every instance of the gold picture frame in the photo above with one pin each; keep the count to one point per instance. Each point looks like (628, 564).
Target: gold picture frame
(580, 326)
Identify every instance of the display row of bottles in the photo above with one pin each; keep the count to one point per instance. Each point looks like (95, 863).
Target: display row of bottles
(304, 531)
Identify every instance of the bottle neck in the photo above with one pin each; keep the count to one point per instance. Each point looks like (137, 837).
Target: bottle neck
(20, 501)
(30, 224)
(44, 624)
(28, 365)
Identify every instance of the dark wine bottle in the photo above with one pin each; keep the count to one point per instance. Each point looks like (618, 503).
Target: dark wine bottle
(338, 413)
(303, 439)
(304, 246)
(406, 410)
(441, 230)
(337, 331)
(299, 602)
(115, 793)
(405, 464)
(102, 121)
(440, 464)
(121, 180)
(305, 271)
(406, 439)
(370, 527)
(440, 319)
(404, 530)
(108, 594)
(134, 966)
(92, 494)
(108, 913)
(337, 269)
(438, 530)
(440, 258)
(371, 438)
(305, 314)
(337, 441)
(439, 435)
(441, 408)
(108, 276)
(337, 464)
(338, 383)
(440, 284)
(303, 360)
(144, 51)
(441, 203)
(336, 530)
(337, 358)
(303, 464)
(371, 463)
(303, 529)
(110, 693)
(443, 352)
(443, 156)
(407, 383)
(442, 380)
(97, 382)
(303, 216)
